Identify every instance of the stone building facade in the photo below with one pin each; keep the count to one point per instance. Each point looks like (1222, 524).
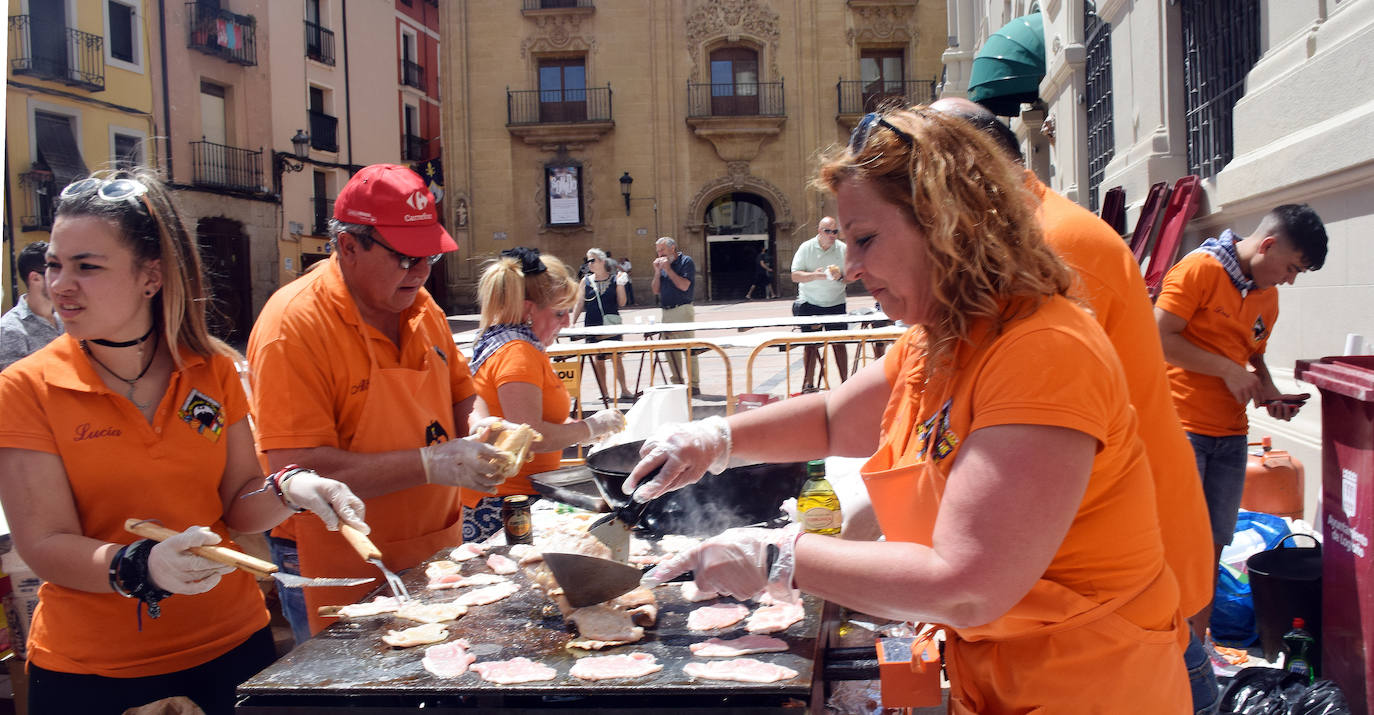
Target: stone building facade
(571, 124)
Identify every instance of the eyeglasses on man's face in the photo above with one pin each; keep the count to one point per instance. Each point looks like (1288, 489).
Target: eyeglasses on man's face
(407, 262)
(831, 231)
(860, 135)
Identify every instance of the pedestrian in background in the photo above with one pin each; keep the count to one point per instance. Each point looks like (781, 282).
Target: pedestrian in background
(32, 322)
(818, 270)
(674, 282)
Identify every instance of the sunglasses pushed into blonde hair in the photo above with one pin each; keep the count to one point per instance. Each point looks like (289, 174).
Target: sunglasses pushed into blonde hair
(988, 259)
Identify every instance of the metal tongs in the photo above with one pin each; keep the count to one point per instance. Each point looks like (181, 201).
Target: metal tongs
(371, 554)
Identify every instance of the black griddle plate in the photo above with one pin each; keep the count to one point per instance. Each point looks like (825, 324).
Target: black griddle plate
(350, 659)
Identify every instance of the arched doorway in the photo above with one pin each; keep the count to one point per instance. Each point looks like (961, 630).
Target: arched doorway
(224, 254)
(738, 226)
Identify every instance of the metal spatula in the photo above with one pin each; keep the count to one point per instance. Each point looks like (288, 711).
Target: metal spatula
(614, 529)
(371, 554)
(238, 559)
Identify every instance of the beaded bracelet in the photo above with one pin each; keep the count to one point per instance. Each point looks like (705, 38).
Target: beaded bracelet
(275, 480)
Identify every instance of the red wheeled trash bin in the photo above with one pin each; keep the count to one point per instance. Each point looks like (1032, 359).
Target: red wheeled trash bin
(1347, 521)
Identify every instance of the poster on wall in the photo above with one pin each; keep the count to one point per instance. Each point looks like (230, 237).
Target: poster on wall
(564, 189)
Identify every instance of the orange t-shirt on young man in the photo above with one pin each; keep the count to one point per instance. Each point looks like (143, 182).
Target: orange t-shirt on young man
(1221, 320)
(120, 466)
(1107, 604)
(1109, 280)
(521, 361)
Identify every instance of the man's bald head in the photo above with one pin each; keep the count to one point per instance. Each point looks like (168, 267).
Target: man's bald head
(984, 121)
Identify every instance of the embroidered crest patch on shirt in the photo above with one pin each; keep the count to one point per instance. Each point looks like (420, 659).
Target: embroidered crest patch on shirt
(1258, 329)
(203, 414)
(936, 432)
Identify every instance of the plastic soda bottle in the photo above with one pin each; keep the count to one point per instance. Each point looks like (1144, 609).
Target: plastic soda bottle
(817, 504)
(1297, 644)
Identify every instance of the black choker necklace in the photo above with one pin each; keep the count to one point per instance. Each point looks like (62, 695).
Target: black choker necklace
(124, 343)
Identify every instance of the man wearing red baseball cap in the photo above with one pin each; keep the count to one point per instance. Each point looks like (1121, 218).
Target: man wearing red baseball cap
(355, 375)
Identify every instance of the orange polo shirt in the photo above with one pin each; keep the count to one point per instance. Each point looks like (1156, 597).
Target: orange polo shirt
(310, 368)
(1109, 280)
(1222, 321)
(520, 361)
(120, 466)
(1052, 368)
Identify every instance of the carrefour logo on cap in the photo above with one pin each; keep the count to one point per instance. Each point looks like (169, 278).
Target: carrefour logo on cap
(418, 201)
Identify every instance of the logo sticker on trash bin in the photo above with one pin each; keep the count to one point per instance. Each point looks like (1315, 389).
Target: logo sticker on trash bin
(1348, 482)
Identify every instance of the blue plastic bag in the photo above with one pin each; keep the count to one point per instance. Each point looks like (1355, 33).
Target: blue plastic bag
(1233, 608)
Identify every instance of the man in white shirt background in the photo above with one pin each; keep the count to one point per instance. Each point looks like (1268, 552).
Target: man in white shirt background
(818, 270)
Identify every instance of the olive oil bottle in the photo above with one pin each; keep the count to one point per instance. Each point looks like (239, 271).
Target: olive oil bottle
(817, 505)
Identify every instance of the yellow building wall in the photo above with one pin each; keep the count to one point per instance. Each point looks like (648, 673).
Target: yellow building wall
(648, 52)
(125, 103)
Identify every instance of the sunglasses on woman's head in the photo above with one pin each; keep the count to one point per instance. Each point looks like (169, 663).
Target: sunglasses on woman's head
(112, 190)
(859, 137)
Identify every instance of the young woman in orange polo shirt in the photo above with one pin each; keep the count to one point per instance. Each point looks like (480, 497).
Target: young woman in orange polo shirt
(526, 300)
(1004, 465)
(137, 412)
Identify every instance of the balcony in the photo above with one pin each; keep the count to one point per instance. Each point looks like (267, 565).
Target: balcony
(225, 167)
(39, 188)
(535, 6)
(60, 54)
(324, 210)
(559, 116)
(412, 74)
(324, 130)
(413, 148)
(319, 43)
(222, 33)
(736, 117)
(855, 97)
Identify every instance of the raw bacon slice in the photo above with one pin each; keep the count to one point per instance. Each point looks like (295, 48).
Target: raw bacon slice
(432, 612)
(467, 551)
(459, 581)
(722, 615)
(448, 660)
(778, 617)
(488, 594)
(515, 670)
(500, 564)
(695, 594)
(735, 647)
(419, 635)
(743, 670)
(605, 667)
(439, 569)
(520, 551)
(377, 606)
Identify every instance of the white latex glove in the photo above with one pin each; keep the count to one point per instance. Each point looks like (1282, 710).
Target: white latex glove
(735, 563)
(173, 568)
(622, 279)
(466, 463)
(686, 451)
(482, 427)
(603, 424)
(329, 499)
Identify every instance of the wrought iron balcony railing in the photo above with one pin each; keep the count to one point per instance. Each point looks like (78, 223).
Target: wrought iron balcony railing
(556, 106)
(412, 74)
(225, 167)
(39, 188)
(324, 210)
(319, 43)
(555, 4)
(324, 130)
(855, 96)
(222, 33)
(62, 54)
(413, 148)
(735, 99)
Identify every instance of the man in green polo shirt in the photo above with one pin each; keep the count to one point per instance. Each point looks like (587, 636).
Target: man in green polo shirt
(818, 270)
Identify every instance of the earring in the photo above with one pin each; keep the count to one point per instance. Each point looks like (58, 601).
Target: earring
(529, 321)
(148, 293)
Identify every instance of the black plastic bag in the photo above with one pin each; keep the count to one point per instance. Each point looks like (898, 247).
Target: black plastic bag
(1274, 691)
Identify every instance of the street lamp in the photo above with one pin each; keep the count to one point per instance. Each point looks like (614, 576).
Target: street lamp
(281, 161)
(625, 181)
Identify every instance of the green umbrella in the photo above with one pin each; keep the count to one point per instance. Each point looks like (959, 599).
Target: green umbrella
(1009, 66)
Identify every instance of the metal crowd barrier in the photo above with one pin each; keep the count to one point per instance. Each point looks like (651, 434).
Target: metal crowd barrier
(874, 336)
(564, 352)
